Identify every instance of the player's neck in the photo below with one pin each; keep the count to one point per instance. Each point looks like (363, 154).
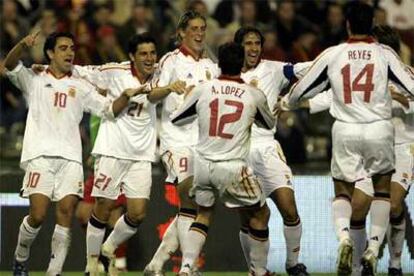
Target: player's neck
(56, 72)
(358, 36)
(141, 76)
(192, 52)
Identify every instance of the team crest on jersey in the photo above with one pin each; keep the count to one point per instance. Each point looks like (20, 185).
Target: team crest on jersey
(254, 82)
(72, 92)
(208, 75)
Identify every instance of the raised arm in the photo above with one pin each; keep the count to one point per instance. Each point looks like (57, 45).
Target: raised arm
(13, 57)
(159, 93)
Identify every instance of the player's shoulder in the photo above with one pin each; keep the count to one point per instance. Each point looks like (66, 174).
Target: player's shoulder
(115, 66)
(169, 58)
(271, 64)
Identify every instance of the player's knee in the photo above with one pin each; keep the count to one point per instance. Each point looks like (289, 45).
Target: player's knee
(36, 219)
(136, 217)
(261, 217)
(290, 215)
(396, 209)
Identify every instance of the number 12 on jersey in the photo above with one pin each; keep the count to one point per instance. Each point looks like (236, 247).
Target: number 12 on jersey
(217, 124)
(357, 86)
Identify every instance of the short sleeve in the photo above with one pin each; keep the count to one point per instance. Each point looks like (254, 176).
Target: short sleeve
(22, 77)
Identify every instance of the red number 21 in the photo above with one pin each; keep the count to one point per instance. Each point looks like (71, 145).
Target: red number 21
(366, 87)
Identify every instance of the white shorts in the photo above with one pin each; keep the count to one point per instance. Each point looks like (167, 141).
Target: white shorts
(115, 176)
(53, 177)
(269, 165)
(179, 163)
(365, 185)
(361, 149)
(404, 165)
(232, 181)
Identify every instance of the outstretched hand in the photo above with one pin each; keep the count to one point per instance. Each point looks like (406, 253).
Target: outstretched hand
(30, 40)
(131, 92)
(280, 106)
(178, 87)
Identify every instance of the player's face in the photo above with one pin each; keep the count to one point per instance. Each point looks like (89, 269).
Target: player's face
(145, 58)
(252, 49)
(63, 54)
(194, 35)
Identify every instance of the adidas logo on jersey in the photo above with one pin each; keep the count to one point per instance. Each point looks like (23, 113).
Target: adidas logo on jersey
(375, 238)
(189, 76)
(48, 85)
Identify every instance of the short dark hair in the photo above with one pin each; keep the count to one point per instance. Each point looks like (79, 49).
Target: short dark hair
(242, 32)
(231, 58)
(386, 35)
(138, 39)
(51, 40)
(360, 17)
(185, 18)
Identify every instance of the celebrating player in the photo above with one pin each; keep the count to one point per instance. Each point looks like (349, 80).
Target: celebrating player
(226, 108)
(51, 154)
(363, 136)
(181, 68)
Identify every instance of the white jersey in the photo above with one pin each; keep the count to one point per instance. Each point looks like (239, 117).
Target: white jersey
(402, 117)
(180, 65)
(226, 109)
(358, 72)
(132, 134)
(403, 120)
(270, 77)
(56, 108)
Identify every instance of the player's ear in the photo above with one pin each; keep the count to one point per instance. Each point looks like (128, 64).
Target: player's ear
(50, 54)
(131, 57)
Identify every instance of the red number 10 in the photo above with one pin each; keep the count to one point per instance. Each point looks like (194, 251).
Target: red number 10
(366, 87)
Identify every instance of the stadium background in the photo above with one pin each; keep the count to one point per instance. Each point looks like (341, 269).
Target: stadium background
(295, 31)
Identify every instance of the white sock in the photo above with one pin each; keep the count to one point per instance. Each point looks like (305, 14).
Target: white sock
(168, 246)
(292, 235)
(244, 241)
(95, 233)
(395, 238)
(259, 249)
(342, 212)
(380, 213)
(197, 235)
(183, 225)
(60, 246)
(359, 237)
(123, 230)
(26, 236)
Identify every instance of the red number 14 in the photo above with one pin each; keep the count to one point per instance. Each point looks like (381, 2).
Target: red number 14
(366, 87)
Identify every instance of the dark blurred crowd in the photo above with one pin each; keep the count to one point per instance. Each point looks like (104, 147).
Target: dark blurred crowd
(295, 31)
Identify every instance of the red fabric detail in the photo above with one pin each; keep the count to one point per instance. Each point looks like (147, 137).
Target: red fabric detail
(368, 39)
(171, 195)
(231, 78)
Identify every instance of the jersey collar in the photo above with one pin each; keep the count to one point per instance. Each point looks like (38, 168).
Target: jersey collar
(367, 39)
(187, 52)
(231, 78)
(48, 71)
(135, 74)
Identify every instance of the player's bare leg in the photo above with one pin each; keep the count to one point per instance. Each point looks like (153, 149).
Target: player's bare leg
(380, 210)
(284, 199)
(396, 229)
(174, 236)
(29, 228)
(196, 237)
(65, 209)
(95, 232)
(125, 228)
(342, 212)
(361, 203)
